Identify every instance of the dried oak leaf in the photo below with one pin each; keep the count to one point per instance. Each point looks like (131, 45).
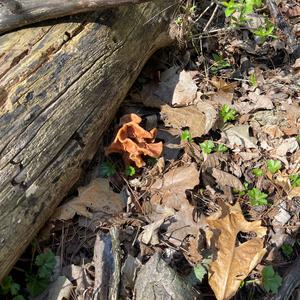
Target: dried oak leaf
(231, 262)
(133, 141)
(95, 197)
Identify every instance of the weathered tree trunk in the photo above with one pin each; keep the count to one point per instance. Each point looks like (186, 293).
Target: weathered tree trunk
(61, 84)
(17, 13)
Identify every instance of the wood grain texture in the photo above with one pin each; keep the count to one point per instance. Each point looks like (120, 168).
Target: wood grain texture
(60, 86)
(18, 13)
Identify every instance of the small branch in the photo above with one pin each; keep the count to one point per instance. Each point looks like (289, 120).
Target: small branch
(18, 13)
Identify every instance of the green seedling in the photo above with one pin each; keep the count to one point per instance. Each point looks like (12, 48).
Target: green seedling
(271, 280)
(241, 8)
(37, 282)
(10, 289)
(287, 250)
(298, 138)
(273, 165)
(253, 80)
(186, 136)
(179, 21)
(221, 148)
(265, 31)
(227, 113)
(257, 198)
(130, 171)
(219, 63)
(244, 191)
(107, 169)
(207, 146)
(295, 180)
(258, 172)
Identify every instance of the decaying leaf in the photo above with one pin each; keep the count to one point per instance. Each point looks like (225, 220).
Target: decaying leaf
(224, 93)
(95, 197)
(176, 88)
(238, 135)
(181, 117)
(133, 141)
(170, 190)
(231, 262)
(226, 179)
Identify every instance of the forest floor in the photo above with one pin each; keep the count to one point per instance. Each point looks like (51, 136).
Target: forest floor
(195, 191)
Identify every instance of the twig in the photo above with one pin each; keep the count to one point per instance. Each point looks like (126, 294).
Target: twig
(211, 18)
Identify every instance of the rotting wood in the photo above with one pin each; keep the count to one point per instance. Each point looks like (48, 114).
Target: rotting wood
(18, 13)
(61, 84)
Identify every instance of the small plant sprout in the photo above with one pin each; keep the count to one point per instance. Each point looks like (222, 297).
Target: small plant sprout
(227, 113)
(295, 180)
(207, 146)
(273, 165)
(298, 138)
(253, 80)
(219, 63)
(107, 169)
(130, 171)
(179, 21)
(287, 250)
(257, 198)
(186, 136)
(258, 172)
(221, 148)
(10, 288)
(265, 31)
(271, 280)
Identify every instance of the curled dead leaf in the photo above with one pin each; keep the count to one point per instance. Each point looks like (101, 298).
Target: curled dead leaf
(226, 179)
(133, 141)
(95, 197)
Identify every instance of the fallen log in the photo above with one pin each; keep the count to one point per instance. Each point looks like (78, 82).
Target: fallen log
(61, 84)
(18, 13)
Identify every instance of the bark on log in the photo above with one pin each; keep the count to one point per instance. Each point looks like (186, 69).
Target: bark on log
(18, 13)
(61, 84)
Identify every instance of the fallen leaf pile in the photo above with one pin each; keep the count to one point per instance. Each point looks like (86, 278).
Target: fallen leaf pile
(133, 142)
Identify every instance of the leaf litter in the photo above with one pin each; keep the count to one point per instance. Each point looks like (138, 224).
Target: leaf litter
(214, 220)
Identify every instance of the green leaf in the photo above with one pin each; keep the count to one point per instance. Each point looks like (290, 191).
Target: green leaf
(186, 136)
(6, 284)
(221, 148)
(295, 180)
(271, 279)
(257, 198)
(253, 80)
(36, 285)
(199, 271)
(258, 172)
(287, 250)
(46, 263)
(207, 146)
(107, 169)
(227, 113)
(18, 297)
(298, 138)
(130, 171)
(273, 165)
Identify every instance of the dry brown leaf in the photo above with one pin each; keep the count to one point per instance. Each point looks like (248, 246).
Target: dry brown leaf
(222, 85)
(176, 88)
(295, 192)
(226, 179)
(133, 141)
(170, 191)
(184, 223)
(232, 264)
(95, 197)
(238, 135)
(181, 117)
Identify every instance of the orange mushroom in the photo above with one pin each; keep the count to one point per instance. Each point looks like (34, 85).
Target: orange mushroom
(133, 141)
